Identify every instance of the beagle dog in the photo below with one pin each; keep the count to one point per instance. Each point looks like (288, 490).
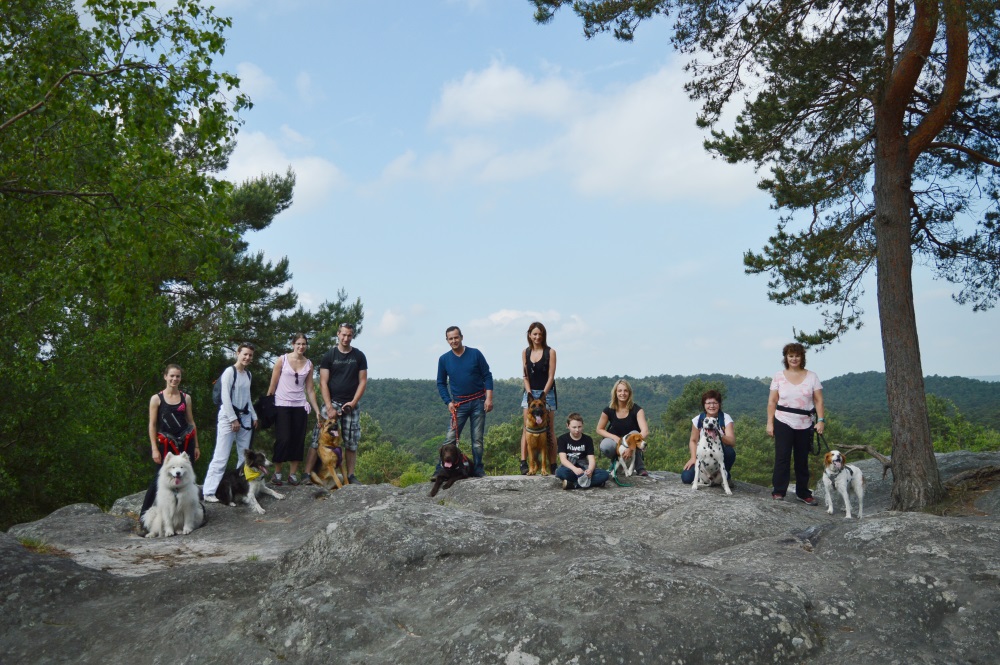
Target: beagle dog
(839, 474)
(632, 441)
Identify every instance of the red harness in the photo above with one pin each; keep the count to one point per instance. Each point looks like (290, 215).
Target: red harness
(178, 447)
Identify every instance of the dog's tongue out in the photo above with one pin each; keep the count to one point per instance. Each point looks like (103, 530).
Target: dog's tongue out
(177, 480)
(447, 465)
(538, 420)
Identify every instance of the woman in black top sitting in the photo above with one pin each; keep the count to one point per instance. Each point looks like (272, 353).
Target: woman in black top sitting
(539, 367)
(623, 416)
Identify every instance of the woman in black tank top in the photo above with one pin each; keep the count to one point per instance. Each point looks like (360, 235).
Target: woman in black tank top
(539, 366)
(170, 414)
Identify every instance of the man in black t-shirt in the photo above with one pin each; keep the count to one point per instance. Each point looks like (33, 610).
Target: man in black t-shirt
(343, 377)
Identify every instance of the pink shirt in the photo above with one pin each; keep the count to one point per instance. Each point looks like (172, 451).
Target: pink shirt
(796, 397)
(288, 393)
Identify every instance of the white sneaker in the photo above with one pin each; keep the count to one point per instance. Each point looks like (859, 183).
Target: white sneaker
(210, 498)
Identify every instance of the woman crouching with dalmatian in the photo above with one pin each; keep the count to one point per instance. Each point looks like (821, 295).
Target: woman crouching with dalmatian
(711, 405)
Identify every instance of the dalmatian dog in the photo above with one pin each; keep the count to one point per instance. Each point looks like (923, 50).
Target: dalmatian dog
(837, 473)
(710, 469)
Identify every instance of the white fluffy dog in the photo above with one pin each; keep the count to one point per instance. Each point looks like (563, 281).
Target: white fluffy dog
(177, 507)
(838, 474)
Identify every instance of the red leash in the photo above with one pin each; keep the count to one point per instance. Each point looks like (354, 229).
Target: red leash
(463, 399)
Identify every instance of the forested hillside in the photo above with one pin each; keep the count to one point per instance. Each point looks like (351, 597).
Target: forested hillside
(411, 412)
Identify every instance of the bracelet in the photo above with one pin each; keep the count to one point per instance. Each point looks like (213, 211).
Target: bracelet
(821, 420)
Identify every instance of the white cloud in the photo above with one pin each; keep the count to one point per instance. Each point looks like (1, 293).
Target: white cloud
(642, 141)
(308, 93)
(505, 317)
(289, 135)
(390, 324)
(637, 141)
(500, 93)
(254, 82)
(574, 328)
(315, 177)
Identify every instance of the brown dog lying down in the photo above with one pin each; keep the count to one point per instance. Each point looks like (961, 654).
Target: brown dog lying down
(536, 436)
(331, 456)
(454, 466)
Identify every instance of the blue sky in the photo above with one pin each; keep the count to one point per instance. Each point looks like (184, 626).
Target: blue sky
(459, 164)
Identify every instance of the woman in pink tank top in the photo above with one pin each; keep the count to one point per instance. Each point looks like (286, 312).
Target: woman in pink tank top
(292, 387)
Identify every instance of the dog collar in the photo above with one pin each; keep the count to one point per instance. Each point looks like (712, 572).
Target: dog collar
(250, 472)
(536, 431)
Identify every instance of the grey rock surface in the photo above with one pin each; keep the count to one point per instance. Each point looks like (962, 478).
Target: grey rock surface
(512, 570)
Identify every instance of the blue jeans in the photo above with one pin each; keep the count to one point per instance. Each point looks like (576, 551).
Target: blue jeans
(728, 459)
(597, 480)
(476, 409)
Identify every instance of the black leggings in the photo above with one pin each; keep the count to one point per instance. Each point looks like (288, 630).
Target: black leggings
(289, 433)
(787, 441)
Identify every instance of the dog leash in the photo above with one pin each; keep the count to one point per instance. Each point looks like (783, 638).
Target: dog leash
(614, 475)
(819, 440)
(460, 400)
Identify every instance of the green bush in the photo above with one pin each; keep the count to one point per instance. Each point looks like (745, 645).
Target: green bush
(416, 473)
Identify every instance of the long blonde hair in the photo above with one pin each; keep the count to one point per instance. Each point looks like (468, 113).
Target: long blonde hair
(614, 395)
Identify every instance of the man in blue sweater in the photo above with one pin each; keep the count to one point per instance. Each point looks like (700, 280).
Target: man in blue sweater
(465, 384)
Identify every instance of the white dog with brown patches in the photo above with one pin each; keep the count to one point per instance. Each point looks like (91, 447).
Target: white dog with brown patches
(841, 475)
(632, 441)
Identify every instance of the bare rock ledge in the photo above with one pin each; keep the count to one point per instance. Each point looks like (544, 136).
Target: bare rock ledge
(513, 570)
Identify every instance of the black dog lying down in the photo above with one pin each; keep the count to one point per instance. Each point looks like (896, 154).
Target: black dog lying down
(454, 466)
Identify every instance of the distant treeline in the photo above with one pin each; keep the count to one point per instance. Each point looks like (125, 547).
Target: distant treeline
(410, 411)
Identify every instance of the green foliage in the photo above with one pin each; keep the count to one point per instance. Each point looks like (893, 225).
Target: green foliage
(412, 412)
(122, 253)
(382, 462)
(414, 416)
(416, 473)
(502, 447)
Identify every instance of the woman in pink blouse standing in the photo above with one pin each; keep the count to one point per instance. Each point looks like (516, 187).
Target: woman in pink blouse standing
(292, 387)
(796, 394)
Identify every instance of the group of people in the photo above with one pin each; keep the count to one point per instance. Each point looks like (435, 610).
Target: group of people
(343, 374)
(465, 385)
(795, 401)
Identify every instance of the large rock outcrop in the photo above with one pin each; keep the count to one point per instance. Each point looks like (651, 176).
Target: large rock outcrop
(512, 570)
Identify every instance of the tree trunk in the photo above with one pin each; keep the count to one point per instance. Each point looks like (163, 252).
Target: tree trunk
(916, 482)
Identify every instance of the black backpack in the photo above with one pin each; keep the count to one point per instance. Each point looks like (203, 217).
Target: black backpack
(217, 386)
(721, 416)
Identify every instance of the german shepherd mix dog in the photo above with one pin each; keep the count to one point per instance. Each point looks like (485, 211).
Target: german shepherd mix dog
(331, 457)
(454, 466)
(244, 484)
(536, 436)
(178, 507)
